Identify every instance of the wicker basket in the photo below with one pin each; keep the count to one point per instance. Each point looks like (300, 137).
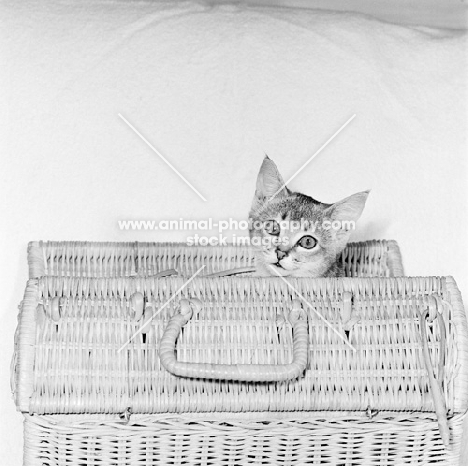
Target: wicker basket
(88, 259)
(243, 370)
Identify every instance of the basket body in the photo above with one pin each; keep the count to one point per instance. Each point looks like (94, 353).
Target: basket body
(371, 405)
(90, 259)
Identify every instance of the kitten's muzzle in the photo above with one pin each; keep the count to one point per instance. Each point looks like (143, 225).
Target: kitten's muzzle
(280, 254)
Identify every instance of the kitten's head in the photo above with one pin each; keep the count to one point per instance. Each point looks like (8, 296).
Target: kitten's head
(295, 235)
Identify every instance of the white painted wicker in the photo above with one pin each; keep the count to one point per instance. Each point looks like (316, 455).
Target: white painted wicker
(74, 259)
(395, 400)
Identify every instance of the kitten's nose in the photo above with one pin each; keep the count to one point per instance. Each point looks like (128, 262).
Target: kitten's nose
(280, 254)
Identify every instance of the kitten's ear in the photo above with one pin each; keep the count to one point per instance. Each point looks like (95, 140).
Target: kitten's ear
(269, 181)
(347, 211)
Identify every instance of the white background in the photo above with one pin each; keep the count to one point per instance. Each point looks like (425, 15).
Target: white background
(213, 90)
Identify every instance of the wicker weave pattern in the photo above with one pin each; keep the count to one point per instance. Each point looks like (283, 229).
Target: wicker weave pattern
(74, 259)
(344, 440)
(74, 366)
(345, 410)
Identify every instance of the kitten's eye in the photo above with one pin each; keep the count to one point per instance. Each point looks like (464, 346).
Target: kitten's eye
(272, 227)
(307, 242)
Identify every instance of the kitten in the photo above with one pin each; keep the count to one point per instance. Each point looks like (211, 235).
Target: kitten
(295, 235)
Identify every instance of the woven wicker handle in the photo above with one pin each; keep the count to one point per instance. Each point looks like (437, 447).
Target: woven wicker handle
(434, 382)
(239, 372)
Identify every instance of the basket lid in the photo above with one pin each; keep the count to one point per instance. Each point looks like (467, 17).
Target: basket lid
(111, 259)
(81, 346)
